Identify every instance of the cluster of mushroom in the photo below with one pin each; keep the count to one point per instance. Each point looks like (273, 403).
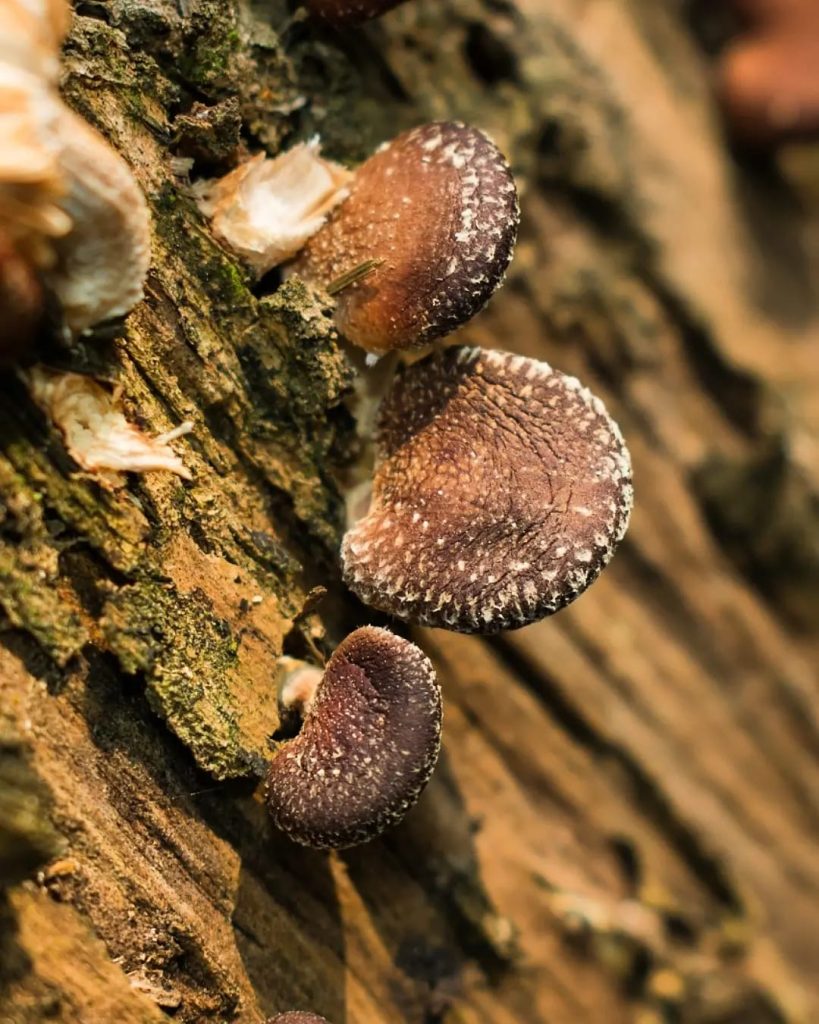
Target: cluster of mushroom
(501, 486)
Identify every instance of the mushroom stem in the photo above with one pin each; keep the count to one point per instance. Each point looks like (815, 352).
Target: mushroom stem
(371, 383)
(296, 688)
(374, 377)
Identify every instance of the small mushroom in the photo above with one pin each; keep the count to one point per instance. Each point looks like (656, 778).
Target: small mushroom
(349, 12)
(768, 81)
(367, 748)
(435, 212)
(297, 1017)
(501, 490)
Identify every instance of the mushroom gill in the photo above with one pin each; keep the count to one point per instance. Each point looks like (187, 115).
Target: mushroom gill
(68, 201)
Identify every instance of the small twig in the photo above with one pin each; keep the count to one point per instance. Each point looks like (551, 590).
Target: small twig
(352, 276)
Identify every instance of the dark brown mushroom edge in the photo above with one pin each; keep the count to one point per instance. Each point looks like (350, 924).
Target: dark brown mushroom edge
(298, 1017)
(349, 12)
(367, 747)
(438, 208)
(502, 488)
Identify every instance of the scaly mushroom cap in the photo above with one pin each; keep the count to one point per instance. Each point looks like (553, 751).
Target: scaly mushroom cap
(502, 488)
(367, 748)
(438, 206)
(768, 80)
(349, 12)
(297, 1017)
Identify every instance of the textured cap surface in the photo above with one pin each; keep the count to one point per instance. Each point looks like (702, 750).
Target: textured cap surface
(502, 489)
(350, 12)
(298, 1017)
(438, 206)
(367, 748)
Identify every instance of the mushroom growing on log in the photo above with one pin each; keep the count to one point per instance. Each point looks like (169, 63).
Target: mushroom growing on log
(502, 489)
(367, 748)
(68, 201)
(435, 212)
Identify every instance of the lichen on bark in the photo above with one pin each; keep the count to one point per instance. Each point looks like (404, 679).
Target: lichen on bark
(258, 376)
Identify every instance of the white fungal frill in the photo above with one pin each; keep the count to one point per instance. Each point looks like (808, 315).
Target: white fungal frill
(266, 209)
(68, 201)
(30, 108)
(96, 433)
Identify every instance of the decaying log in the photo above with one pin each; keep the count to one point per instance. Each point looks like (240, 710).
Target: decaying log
(624, 822)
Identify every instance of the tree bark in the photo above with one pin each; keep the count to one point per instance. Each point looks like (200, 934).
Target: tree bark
(624, 821)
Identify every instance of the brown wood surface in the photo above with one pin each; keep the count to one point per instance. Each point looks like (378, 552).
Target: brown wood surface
(624, 822)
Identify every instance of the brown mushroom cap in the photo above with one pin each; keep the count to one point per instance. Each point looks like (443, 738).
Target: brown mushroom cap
(367, 748)
(438, 206)
(349, 12)
(501, 491)
(298, 1017)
